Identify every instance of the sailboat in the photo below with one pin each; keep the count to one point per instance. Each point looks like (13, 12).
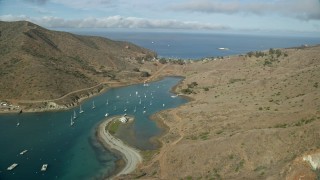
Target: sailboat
(74, 115)
(93, 106)
(71, 122)
(81, 111)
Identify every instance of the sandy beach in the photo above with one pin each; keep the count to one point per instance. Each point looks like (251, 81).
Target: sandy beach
(131, 155)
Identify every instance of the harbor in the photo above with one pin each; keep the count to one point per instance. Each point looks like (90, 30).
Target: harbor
(73, 151)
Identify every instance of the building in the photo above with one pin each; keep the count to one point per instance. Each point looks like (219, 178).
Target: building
(123, 119)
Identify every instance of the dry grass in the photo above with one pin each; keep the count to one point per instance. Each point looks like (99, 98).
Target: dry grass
(252, 122)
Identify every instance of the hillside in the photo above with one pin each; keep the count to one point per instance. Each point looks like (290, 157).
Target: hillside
(36, 63)
(253, 116)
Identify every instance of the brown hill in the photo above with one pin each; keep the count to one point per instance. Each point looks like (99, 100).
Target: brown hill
(255, 116)
(37, 63)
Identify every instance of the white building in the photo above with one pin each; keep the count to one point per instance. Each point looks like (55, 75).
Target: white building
(123, 119)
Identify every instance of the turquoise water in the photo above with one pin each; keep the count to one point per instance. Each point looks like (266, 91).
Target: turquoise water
(73, 152)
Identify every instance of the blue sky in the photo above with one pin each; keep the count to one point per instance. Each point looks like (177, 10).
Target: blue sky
(282, 16)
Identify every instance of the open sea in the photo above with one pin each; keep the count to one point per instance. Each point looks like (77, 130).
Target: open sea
(201, 45)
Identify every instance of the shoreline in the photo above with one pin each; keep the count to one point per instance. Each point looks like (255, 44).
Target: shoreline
(130, 155)
(68, 106)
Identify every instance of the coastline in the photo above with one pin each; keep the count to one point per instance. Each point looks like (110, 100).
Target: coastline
(131, 156)
(94, 91)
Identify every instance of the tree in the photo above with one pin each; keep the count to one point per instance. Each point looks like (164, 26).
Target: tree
(145, 74)
(271, 51)
(163, 61)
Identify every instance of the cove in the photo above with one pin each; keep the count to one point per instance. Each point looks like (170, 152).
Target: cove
(73, 152)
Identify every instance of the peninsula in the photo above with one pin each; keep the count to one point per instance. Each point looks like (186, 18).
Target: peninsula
(131, 155)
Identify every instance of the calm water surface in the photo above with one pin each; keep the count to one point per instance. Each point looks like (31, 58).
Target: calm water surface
(201, 45)
(73, 152)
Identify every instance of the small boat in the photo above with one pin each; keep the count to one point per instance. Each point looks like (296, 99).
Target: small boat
(174, 96)
(136, 93)
(107, 102)
(23, 152)
(81, 111)
(12, 166)
(145, 84)
(163, 105)
(93, 106)
(44, 167)
(74, 115)
(144, 112)
(140, 101)
(135, 109)
(18, 123)
(222, 48)
(150, 103)
(106, 115)
(71, 122)
(125, 110)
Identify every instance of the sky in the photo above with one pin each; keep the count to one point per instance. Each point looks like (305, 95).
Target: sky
(282, 16)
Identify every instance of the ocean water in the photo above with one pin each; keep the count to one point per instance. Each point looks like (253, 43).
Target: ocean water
(73, 152)
(201, 45)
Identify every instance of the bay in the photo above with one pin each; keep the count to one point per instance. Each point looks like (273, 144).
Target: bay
(73, 152)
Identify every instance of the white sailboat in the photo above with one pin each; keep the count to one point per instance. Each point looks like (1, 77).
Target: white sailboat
(71, 122)
(74, 115)
(81, 111)
(93, 106)
(44, 167)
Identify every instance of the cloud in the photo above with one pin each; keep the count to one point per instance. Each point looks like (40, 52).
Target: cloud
(39, 2)
(86, 4)
(115, 22)
(304, 10)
